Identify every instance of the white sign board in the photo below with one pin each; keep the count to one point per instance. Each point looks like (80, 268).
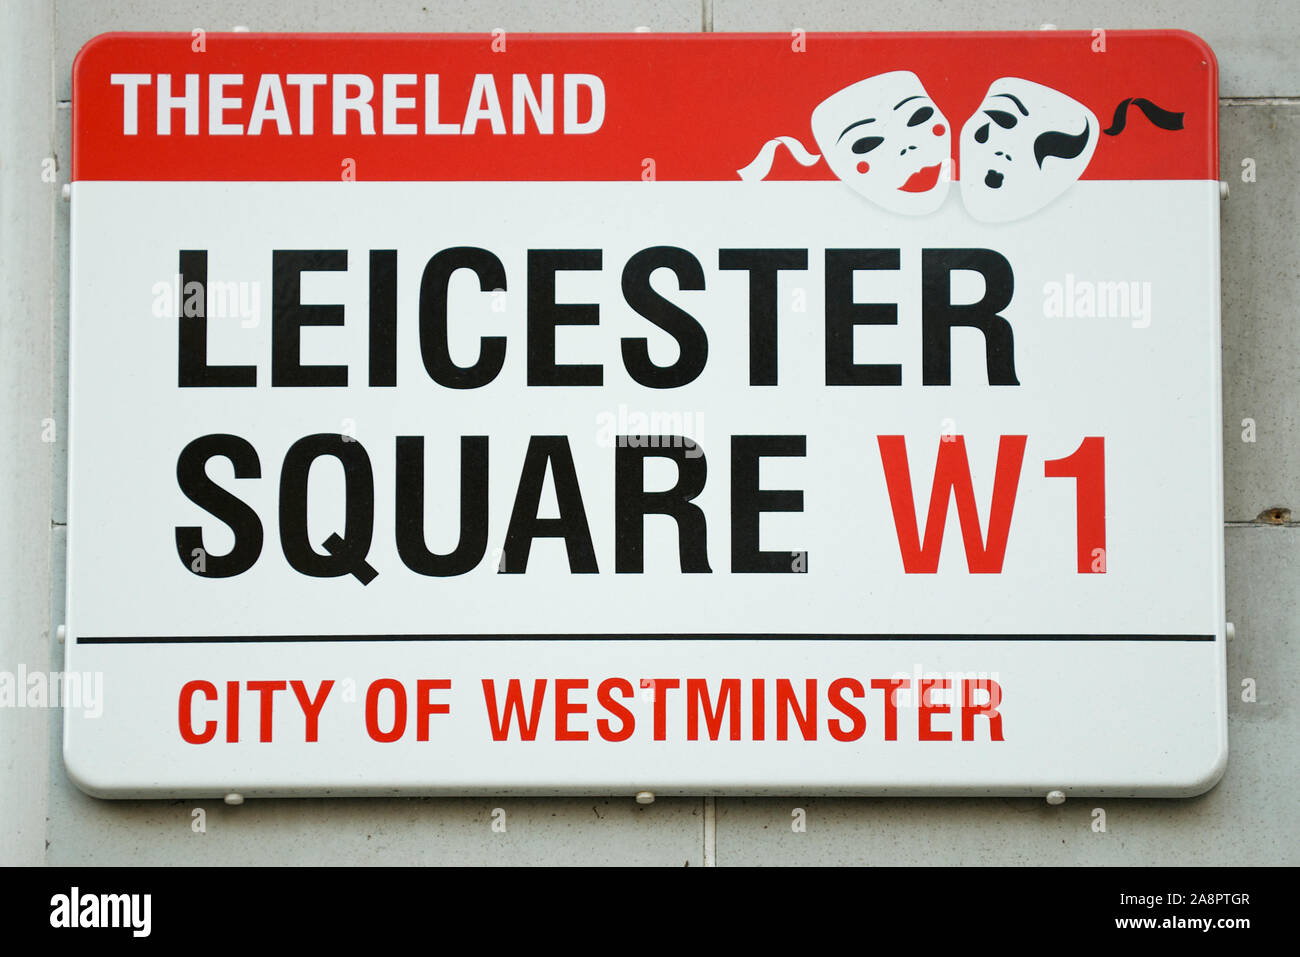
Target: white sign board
(709, 414)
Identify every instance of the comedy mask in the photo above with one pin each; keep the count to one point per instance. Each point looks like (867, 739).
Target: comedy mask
(887, 140)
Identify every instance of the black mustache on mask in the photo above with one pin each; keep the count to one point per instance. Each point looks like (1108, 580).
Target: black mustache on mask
(1161, 118)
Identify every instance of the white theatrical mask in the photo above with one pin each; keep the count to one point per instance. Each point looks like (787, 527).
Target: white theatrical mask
(887, 140)
(1024, 146)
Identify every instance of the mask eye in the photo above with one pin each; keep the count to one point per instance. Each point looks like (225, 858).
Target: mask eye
(1004, 120)
(982, 134)
(920, 116)
(867, 144)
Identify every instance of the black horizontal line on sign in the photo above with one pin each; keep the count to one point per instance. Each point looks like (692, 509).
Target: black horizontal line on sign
(667, 636)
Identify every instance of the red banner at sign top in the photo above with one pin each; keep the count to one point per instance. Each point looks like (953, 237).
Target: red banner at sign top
(702, 107)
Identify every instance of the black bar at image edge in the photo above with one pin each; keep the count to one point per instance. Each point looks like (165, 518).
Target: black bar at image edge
(961, 905)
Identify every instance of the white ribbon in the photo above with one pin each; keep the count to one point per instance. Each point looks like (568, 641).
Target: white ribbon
(762, 163)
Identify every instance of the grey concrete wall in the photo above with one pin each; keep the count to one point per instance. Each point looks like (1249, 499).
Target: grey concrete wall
(27, 281)
(1250, 818)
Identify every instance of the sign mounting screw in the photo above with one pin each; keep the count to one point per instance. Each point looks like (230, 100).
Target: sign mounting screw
(645, 797)
(1055, 797)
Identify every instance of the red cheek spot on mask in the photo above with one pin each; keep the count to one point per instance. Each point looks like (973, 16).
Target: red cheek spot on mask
(939, 129)
(863, 166)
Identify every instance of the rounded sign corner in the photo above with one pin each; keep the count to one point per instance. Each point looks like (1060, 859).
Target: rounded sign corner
(85, 780)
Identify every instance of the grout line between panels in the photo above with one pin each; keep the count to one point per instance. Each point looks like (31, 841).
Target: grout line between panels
(710, 832)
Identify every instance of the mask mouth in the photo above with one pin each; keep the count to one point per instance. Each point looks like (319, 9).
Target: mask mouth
(993, 179)
(923, 180)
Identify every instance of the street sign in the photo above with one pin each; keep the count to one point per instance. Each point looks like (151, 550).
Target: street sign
(745, 414)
